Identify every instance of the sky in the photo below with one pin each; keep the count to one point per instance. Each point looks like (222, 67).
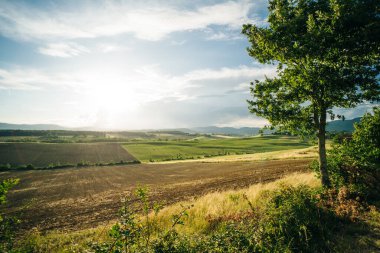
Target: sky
(129, 64)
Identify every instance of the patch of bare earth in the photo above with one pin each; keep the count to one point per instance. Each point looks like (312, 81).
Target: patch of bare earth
(81, 198)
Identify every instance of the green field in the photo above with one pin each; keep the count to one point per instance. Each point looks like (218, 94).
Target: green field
(200, 148)
(43, 155)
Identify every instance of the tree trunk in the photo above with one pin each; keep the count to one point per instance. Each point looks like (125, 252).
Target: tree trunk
(322, 151)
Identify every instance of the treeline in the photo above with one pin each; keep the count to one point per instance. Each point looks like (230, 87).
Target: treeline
(102, 134)
(7, 167)
(39, 133)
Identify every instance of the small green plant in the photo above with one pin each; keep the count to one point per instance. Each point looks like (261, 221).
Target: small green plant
(133, 232)
(7, 224)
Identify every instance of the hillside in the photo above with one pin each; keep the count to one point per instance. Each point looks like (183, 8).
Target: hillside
(333, 126)
(342, 125)
(7, 126)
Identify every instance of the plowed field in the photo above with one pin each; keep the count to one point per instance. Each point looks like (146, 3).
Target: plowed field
(44, 154)
(86, 197)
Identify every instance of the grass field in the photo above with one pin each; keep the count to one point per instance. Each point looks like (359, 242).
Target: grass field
(200, 148)
(42, 155)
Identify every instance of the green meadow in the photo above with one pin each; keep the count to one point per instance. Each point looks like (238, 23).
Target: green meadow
(153, 151)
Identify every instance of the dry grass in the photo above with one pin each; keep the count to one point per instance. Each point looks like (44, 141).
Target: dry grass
(225, 204)
(62, 241)
(310, 152)
(216, 204)
(357, 237)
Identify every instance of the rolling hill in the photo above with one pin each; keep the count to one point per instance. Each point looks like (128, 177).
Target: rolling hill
(333, 126)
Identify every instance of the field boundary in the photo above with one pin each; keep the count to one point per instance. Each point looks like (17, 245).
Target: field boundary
(65, 166)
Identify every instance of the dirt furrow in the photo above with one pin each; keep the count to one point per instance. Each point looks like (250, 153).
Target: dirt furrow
(81, 198)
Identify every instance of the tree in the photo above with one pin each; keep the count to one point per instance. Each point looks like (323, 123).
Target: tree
(327, 56)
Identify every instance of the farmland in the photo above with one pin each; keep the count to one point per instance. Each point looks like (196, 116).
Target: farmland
(75, 199)
(207, 147)
(82, 198)
(43, 155)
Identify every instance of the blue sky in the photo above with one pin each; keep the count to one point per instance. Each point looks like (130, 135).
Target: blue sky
(129, 64)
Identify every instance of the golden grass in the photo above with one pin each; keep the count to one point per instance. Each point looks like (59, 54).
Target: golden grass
(63, 241)
(225, 204)
(358, 237)
(212, 205)
(310, 152)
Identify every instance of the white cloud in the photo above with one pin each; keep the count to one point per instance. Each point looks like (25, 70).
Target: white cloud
(248, 121)
(68, 49)
(178, 43)
(147, 82)
(11, 80)
(228, 34)
(218, 36)
(110, 47)
(112, 18)
(160, 97)
(157, 85)
(31, 79)
(229, 73)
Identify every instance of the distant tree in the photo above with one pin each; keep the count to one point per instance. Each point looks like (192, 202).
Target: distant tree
(327, 56)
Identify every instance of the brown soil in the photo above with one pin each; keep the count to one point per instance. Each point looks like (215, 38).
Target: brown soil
(44, 154)
(86, 197)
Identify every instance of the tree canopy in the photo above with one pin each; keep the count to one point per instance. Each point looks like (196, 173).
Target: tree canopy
(327, 53)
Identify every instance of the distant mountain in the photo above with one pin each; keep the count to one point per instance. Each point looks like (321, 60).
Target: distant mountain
(196, 130)
(342, 125)
(6, 126)
(226, 130)
(333, 126)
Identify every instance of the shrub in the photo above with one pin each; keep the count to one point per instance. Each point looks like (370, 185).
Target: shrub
(341, 202)
(289, 219)
(294, 222)
(355, 163)
(7, 224)
(30, 167)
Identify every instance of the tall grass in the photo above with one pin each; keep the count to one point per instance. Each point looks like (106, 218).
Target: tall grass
(208, 214)
(219, 205)
(199, 220)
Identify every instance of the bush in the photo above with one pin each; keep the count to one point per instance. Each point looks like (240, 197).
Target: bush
(7, 224)
(355, 163)
(289, 219)
(294, 222)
